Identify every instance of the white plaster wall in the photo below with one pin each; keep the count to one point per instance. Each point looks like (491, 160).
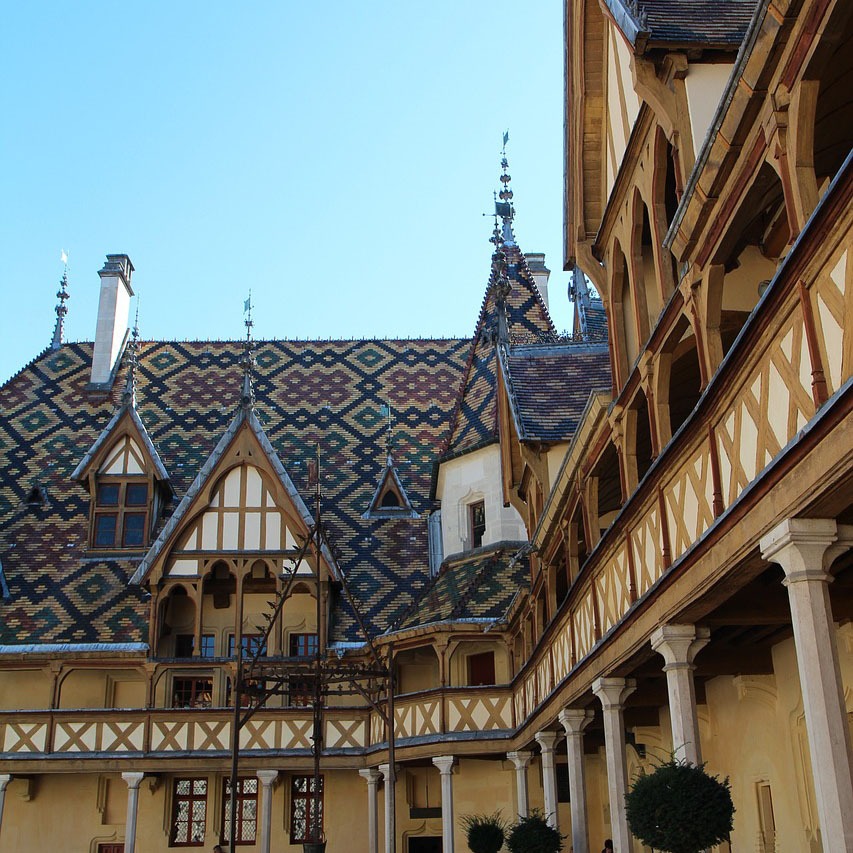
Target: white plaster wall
(470, 478)
(555, 457)
(705, 85)
(623, 105)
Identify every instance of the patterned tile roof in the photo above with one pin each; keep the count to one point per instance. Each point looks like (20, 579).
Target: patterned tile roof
(482, 586)
(475, 419)
(329, 392)
(549, 386)
(712, 22)
(718, 24)
(594, 320)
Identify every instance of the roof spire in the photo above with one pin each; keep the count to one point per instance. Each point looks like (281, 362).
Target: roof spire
(61, 308)
(504, 208)
(128, 397)
(247, 397)
(502, 238)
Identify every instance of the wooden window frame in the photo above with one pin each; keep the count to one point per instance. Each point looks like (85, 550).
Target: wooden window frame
(247, 644)
(196, 691)
(242, 799)
(306, 796)
(208, 643)
(121, 510)
(308, 639)
(191, 799)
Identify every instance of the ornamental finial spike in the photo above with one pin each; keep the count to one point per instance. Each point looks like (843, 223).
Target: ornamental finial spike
(247, 396)
(61, 308)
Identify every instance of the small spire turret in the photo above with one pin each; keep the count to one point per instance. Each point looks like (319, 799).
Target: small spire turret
(61, 308)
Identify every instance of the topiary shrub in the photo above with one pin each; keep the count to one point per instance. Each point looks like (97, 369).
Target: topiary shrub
(679, 808)
(485, 833)
(532, 834)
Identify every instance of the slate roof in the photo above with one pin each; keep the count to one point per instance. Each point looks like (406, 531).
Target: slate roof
(306, 391)
(715, 22)
(481, 586)
(475, 421)
(718, 24)
(594, 320)
(549, 386)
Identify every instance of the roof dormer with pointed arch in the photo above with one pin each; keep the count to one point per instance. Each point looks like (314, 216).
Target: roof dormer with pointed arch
(241, 501)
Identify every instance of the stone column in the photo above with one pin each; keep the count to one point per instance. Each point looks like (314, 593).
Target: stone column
(520, 761)
(385, 770)
(574, 721)
(5, 779)
(371, 775)
(679, 644)
(804, 548)
(612, 693)
(546, 741)
(444, 763)
(267, 778)
(133, 781)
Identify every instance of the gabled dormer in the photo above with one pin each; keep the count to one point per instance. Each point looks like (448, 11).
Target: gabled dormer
(390, 499)
(127, 484)
(241, 504)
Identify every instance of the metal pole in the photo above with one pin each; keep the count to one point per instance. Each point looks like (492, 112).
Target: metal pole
(317, 739)
(235, 723)
(390, 796)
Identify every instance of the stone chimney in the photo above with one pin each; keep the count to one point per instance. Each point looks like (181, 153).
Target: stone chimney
(540, 273)
(113, 315)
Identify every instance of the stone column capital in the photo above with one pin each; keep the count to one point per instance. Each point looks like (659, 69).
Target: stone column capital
(370, 774)
(444, 763)
(519, 760)
(133, 780)
(5, 779)
(267, 777)
(385, 770)
(575, 720)
(546, 741)
(612, 692)
(803, 547)
(679, 644)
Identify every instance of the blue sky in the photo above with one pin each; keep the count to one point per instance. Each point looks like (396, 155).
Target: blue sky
(334, 157)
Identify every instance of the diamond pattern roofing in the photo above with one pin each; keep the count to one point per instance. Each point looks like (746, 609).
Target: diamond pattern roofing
(329, 392)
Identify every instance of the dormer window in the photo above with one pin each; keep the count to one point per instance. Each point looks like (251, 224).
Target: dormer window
(390, 499)
(127, 484)
(120, 514)
(37, 496)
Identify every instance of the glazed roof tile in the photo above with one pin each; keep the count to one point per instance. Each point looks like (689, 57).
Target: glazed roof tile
(549, 386)
(713, 22)
(475, 421)
(718, 24)
(481, 586)
(329, 392)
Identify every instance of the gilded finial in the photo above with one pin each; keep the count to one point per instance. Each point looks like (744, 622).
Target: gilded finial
(61, 308)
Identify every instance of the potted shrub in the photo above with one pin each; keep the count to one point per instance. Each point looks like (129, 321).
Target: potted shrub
(532, 834)
(679, 808)
(485, 833)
